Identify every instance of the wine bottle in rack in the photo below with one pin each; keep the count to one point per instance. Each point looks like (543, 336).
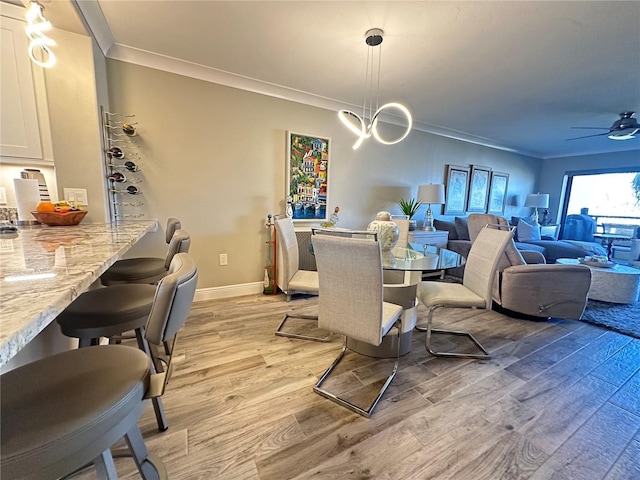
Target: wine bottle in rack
(131, 190)
(129, 129)
(117, 177)
(128, 165)
(115, 152)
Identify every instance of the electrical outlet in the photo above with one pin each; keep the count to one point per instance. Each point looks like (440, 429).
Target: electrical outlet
(78, 195)
(223, 259)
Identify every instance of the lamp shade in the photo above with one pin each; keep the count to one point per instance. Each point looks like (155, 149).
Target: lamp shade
(537, 200)
(432, 193)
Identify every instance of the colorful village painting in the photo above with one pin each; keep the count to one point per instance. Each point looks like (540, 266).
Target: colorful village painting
(308, 177)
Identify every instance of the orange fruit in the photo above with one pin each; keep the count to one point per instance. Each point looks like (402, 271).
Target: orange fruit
(45, 207)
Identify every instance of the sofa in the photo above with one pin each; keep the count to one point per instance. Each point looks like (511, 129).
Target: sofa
(533, 251)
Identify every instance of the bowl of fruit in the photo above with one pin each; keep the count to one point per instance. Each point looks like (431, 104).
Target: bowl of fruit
(59, 213)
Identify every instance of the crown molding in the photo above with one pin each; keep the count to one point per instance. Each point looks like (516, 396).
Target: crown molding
(95, 23)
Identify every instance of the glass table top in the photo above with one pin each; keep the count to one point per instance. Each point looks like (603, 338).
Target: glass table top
(418, 257)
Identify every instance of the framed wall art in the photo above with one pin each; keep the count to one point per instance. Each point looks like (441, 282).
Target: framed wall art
(307, 177)
(456, 190)
(478, 189)
(498, 193)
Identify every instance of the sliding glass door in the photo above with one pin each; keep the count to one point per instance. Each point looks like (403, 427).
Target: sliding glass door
(610, 196)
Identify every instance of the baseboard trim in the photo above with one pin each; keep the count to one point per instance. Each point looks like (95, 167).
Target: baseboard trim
(228, 291)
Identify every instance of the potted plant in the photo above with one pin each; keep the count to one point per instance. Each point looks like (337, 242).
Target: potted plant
(409, 208)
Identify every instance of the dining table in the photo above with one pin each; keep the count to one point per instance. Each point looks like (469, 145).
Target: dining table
(44, 268)
(403, 268)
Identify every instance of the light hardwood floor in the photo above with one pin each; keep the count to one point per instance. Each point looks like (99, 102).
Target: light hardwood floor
(558, 400)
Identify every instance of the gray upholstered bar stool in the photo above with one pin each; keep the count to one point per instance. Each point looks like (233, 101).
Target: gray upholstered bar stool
(112, 311)
(66, 411)
(109, 312)
(146, 269)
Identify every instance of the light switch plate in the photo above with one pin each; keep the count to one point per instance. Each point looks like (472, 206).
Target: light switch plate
(78, 195)
(3, 196)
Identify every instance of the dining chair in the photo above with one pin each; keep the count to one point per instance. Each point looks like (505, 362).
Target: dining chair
(402, 221)
(111, 311)
(291, 280)
(60, 414)
(345, 232)
(351, 303)
(475, 291)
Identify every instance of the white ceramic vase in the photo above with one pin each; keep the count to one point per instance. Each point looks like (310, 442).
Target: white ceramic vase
(388, 231)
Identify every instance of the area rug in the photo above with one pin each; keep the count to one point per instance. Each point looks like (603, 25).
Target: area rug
(615, 316)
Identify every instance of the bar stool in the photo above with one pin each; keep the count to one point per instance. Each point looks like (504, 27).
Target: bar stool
(173, 224)
(61, 413)
(146, 269)
(112, 311)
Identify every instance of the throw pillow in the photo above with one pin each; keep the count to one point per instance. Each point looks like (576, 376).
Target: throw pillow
(528, 232)
(446, 227)
(462, 228)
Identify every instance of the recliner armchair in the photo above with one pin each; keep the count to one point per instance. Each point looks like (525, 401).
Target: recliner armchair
(538, 290)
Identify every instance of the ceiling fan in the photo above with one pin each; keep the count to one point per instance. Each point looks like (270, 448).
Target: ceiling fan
(624, 128)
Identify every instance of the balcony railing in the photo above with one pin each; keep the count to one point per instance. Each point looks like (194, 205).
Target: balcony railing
(622, 225)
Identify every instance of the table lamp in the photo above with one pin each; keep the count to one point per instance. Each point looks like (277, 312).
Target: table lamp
(430, 194)
(536, 201)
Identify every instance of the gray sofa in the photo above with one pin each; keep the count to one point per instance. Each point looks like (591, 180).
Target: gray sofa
(531, 251)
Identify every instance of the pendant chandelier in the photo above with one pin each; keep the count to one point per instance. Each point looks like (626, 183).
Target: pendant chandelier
(39, 44)
(366, 125)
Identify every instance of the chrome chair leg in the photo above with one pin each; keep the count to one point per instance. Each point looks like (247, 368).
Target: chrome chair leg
(282, 333)
(345, 403)
(485, 355)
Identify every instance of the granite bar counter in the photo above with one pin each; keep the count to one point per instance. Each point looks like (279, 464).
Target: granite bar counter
(43, 269)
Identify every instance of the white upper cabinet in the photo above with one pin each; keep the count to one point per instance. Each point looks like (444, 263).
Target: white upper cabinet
(20, 135)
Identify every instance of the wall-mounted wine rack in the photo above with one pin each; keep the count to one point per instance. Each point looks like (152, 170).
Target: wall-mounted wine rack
(122, 171)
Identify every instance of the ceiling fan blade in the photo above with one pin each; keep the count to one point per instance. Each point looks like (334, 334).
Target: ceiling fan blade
(587, 136)
(593, 128)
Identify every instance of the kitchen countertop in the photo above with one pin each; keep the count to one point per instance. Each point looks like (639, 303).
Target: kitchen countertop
(43, 269)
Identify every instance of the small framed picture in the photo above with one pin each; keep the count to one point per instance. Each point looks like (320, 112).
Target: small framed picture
(307, 177)
(456, 190)
(498, 193)
(478, 189)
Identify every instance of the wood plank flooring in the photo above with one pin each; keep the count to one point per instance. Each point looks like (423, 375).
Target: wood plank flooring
(559, 399)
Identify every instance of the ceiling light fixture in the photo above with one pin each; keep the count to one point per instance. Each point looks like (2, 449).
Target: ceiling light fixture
(360, 126)
(625, 128)
(39, 50)
(624, 136)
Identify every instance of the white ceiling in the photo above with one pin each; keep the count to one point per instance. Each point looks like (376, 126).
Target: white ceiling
(515, 75)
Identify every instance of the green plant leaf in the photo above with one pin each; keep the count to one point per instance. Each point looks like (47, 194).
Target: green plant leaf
(409, 207)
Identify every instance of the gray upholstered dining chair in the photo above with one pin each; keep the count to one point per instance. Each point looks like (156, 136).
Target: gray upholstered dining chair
(524, 285)
(291, 280)
(148, 269)
(65, 412)
(475, 291)
(402, 221)
(111, 311)
(351, 302)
